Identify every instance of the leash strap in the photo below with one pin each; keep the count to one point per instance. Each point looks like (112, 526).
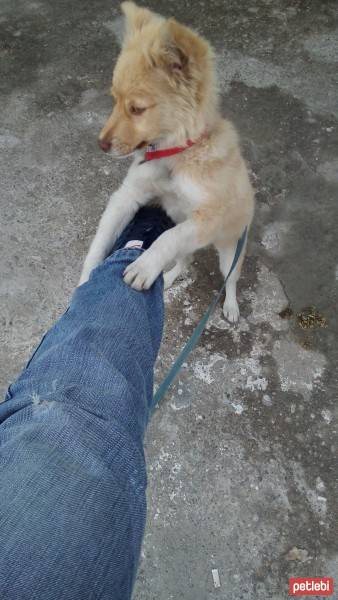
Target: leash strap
(196, 334)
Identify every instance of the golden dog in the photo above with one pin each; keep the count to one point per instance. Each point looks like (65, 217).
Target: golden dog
(166, 97)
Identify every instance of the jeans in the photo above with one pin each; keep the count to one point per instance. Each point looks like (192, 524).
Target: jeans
(72, 467)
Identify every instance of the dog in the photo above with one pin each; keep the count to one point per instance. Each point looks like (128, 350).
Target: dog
(167, 115)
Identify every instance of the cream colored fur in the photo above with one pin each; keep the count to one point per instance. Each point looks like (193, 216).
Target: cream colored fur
(165, 91)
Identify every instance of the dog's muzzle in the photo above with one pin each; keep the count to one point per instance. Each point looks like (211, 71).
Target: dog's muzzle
(116, 148)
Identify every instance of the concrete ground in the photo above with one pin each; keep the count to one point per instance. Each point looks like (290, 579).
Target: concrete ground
(242, 452)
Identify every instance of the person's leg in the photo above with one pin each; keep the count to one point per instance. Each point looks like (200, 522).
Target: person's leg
(72, 467)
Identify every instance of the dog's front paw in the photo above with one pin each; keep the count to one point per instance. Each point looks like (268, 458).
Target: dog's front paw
(142, 273)
(231, 310)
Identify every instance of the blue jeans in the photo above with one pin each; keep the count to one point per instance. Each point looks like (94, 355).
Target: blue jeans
(72, 467)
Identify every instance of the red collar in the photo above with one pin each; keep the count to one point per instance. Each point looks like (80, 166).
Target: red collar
(152, 153)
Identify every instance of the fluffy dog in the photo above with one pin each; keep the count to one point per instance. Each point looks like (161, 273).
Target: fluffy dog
(165, 91)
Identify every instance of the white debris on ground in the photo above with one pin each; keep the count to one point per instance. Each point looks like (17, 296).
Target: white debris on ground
(274, 236)
(298, 368)
(215, 577)
(267, 300)
(203, 370)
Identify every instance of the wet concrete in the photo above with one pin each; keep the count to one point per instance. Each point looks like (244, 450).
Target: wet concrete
(242, 452)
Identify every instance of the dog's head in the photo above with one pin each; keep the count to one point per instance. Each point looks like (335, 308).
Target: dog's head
(163, 84)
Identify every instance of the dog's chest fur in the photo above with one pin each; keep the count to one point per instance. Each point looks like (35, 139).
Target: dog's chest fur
(178, 195)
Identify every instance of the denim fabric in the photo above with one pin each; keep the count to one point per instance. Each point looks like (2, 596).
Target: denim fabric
(72, 468)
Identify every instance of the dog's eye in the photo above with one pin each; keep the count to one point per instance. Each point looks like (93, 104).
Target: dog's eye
(136, 110)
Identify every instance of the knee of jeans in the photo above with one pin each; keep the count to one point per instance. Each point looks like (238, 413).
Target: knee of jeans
(39, 401)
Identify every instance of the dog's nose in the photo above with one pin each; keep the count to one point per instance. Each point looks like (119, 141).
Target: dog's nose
(104, 145)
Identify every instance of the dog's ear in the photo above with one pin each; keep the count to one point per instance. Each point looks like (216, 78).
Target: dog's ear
(136, 17)
(180, 51)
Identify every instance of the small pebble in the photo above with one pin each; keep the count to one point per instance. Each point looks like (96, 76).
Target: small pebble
(267, 400)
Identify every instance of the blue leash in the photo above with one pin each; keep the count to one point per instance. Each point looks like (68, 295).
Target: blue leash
(196, 334)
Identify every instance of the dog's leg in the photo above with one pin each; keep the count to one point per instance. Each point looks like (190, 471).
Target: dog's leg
(119, 211)
(170, 276)
(226, 257)
(173, 244)
(176, 243)
(121, 208)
